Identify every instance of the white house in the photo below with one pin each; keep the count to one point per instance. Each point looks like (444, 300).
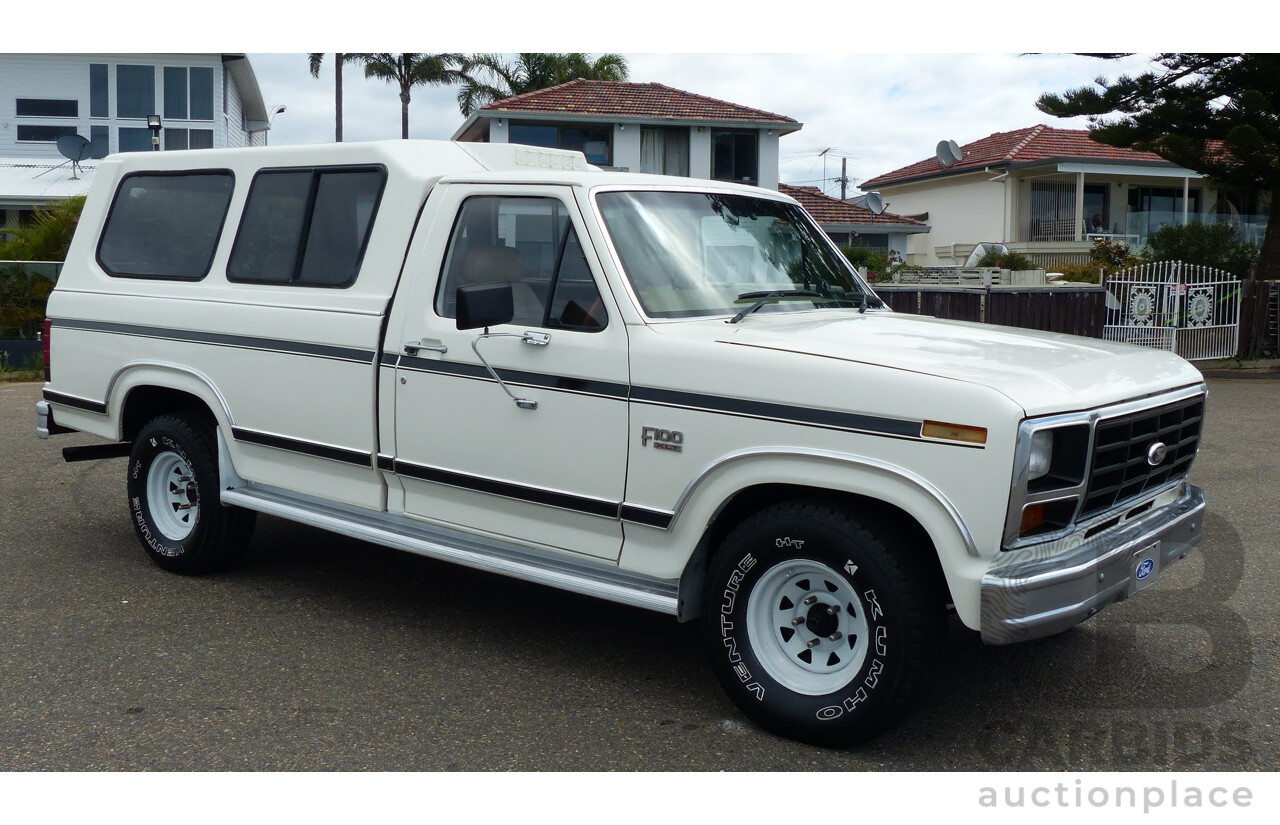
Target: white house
(640, 127)
(1049, 193)
(203, 100)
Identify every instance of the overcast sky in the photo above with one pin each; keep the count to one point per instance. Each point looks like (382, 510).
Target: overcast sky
(922, 72)
(880, 111)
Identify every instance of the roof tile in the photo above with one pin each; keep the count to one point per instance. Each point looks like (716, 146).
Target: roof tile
(646, 100)
(828, 210)
(1019, 146)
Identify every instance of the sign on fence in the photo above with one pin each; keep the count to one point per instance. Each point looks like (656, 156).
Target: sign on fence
(1184, 308)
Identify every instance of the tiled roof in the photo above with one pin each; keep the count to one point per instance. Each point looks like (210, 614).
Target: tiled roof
(652, 101)
(829, 210)
(1035, 143)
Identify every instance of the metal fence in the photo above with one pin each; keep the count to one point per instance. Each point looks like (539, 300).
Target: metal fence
(1184, 308)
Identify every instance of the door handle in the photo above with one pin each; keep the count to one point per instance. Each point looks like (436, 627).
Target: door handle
(412, 347)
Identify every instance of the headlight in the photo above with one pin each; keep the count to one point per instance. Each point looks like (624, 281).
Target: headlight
(1041, 458)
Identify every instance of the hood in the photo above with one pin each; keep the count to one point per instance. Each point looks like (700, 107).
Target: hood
(1042, 372)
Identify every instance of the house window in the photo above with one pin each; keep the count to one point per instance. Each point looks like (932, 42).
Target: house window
(594, 143)
(201, 139)
(99, 105)
(735, 157)
(133, 140)
(175, 96)
(29, 107)
(1152, 207)
(99, 142)
(188, 93)
(135, 91)
(43, 134)
(664, 151)
(1053, 210)
(187, 139)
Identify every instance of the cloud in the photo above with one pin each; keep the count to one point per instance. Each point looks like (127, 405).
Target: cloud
(880, 111)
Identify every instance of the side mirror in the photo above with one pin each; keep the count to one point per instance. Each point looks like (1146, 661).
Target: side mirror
(485, 305)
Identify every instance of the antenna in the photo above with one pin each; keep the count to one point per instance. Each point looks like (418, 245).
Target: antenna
(74, 148)
(949, 153)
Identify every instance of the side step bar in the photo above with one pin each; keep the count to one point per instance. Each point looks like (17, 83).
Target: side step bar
(589, 578)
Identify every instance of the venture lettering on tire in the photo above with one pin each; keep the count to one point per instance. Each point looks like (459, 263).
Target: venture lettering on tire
(815, 629)
(173, 498)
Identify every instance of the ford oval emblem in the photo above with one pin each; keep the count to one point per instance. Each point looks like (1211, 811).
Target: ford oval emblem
(1146, 568)
(1156, 453)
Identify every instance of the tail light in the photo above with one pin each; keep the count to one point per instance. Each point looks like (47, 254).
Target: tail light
(48, 364)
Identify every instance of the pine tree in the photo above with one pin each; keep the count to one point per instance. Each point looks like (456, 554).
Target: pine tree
(1217, 114)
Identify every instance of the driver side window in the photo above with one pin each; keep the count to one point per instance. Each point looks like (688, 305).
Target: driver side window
(531, 244)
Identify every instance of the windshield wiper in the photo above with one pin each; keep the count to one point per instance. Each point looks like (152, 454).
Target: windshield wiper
(768, 297)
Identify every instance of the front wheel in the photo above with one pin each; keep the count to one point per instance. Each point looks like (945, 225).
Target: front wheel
(174, 502)
(815, 629)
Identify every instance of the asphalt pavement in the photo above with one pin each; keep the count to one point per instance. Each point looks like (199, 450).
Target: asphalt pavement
(321, 653)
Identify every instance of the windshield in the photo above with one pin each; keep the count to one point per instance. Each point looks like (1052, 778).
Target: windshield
(693, 254)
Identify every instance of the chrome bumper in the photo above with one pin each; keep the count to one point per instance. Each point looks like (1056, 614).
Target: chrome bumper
(1034, 595)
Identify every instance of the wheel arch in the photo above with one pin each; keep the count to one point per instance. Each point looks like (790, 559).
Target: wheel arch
(140, 391)
(884, 498)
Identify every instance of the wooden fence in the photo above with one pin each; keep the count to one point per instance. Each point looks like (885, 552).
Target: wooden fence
(1075, 310)
(1259, 319)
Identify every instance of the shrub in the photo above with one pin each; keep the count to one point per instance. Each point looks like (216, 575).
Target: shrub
(1015, 261)
(1214, 244)
(880, 264)
(1076, 273)
(48, 235)
(1111, 254)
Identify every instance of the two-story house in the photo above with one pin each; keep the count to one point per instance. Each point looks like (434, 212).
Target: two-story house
(640, 127)
(204, 101)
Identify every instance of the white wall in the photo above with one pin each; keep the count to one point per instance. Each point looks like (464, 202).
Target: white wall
(626, 146)
(66, 77)
(969, 210)
(700, 152)
(767, 171)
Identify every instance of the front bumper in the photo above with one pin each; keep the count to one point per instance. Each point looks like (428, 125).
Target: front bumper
(1035, 595)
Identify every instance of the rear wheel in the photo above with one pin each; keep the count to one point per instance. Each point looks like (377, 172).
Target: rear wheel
(173, 498)
(816, 630)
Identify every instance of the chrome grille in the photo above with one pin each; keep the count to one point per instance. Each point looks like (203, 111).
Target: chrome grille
(1120, 470)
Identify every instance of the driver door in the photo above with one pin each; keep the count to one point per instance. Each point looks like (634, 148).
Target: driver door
(550, 470)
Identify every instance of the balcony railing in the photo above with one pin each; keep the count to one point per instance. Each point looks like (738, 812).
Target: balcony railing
(1136, 228)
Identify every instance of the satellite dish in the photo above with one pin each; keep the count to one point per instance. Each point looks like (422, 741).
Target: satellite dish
(75, 149)
(872, 201)
(948, 152)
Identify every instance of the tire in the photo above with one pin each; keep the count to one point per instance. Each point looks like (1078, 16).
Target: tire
(815, 629)
(173, 498)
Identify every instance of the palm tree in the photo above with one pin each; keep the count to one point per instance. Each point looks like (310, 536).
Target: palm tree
(409, 70)
(529, 72)
(315, 59)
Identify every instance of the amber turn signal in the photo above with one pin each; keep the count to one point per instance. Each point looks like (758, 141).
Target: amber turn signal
(954, 432)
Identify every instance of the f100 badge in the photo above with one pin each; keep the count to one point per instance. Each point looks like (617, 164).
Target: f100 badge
(671, 440)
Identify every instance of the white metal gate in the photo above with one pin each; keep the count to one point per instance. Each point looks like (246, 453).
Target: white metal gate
(1184, 308)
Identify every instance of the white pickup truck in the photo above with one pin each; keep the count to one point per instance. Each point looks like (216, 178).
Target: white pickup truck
(671, 393)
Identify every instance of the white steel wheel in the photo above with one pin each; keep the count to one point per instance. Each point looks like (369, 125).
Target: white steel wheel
(807, 627)
(173, 496)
